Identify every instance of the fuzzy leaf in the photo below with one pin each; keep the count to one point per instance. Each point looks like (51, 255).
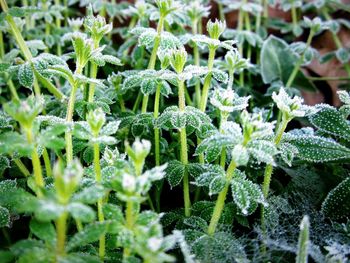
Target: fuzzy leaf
(26, 75)
(175, 172)
(89, 195)
(196, 223)
(331, 121)
(81, 212)
(336, 205)
(4, 217)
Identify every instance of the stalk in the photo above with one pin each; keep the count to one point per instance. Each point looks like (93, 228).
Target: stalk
(69, 118)
(36, 163)
(152, 62)
(58, 26)
(47, 163)
(156, 130)
(196, 62)
(304, 241)
(241, 16)
(220, 202)
(224, 117)
(61, 229)
(207, 80)
(294, 16)
(93, 75)
(183, 152)
(22, 167)
(300, 61)
(98, 177)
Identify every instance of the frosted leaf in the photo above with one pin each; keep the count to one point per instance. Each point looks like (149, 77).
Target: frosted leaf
(89, 195)
(336, 205)
(291, 106)
(81, 212)
(255, 122)
(216, 185)
(175, 172)
(110, 128)
(212, 43)
(288, 152)
(148, 86)
(104, 139)
(128, 182)
(262, 151)
(240, 196)
(220, 75)
(169, 42)
(227, 100)
(26, 75)
(4, 217)
(147, 38)
(240, 155)
(85, 80)
(50, 119)
(235, 61)
(196, 223)
(318, 149)
(216, 28)
(344, 96)
(156, 173)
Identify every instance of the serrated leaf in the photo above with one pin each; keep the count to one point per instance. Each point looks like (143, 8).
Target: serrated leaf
(175, 172)
(4, 217)
(318, 149)
(331, 121)
(196, 223)
(216, 185)
(89, 195)
(48, 210)
(336, 205)
(110, 128)
(81, 212)
(26, 75)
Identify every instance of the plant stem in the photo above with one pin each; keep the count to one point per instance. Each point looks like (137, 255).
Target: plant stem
(93, 75)
(224, 117)
(300, 61)
(294, 16)
(98, 177)
(47, 163)
(183, 152)
(69, 118)
(61, 228)
(22, 167)
(196, 62)
(152, 61)
(129, 217)
(207, 80)
(156, 130)
(220, 202)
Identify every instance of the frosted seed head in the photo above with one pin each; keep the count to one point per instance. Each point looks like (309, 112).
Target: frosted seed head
(96, 119)
(215, 29)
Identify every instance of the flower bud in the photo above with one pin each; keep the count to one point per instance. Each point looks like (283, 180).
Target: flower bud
(96, 119)
(215, 29)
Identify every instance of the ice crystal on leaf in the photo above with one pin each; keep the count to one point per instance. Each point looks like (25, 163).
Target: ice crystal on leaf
(227, 100)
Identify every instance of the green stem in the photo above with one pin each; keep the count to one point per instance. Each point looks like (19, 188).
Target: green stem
(300, 61)
(93, 75)
(121, 103)
(129, 217)
(207, 80)
(156, 130)
(47, 163)
(98, 177)
(137, 102)
(152, 61)
(61, 228)
(22, 167)
(224, 117)
(294, 16)
(220, 202)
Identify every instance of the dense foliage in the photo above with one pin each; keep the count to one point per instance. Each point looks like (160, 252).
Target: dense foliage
(147, 132)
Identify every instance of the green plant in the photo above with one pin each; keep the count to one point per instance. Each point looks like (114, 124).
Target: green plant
(90, 172)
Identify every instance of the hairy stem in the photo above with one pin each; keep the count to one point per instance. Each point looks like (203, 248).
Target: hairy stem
(22, 167)
(156, 130)
(207, 80)
(61, 229)
(47, 163)
(220, 202)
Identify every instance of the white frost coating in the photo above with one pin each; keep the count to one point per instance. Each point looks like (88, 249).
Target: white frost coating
(129, 182)
(154, 243)
(291, 106)
(228, 101)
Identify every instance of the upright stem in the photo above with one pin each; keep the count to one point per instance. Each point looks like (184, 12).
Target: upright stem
(69, 118)
(61, 229)
(300, 61)
(98, 177)
(22, 167)
(156, 130)
(183, 147)
(93, 75)
(152, 61)
(47, 163)
(224, 117)
(196, 62)
(220, 202)
(36, 163)
(207, 80)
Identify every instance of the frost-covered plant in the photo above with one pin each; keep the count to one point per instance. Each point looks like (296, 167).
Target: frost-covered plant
(100, 110)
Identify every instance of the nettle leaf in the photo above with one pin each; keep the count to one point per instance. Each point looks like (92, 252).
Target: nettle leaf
(246, 195)
(288, 152)
(12, 142)
(217, 184)
(81, 212)
(110, 128)
(113, 212)
(336, 205)
(220, 75)
(142, 124)
(89, 234)
(196, 222)
(148, 86)
(212, 146)
(132, 82)
(331, 121)
(175, 172)
(5, 219)
(262, 150)
(48, 210)
(89, 195)
(26, 75)
(43, 230)
(213, 178)
(277, 63)
(318, 149)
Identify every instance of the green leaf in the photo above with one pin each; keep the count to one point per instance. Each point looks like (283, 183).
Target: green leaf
(81, 212)
(4, 217)
(6, 256)
(22, 11)
(43, 230)
(336, 205)
(113, 212)
(213, 146)
(277, 63)
(12, 142)
(175, 172)
(79, 258)
(331, 121)
(26, 75)
(4, 164)
(318, 149)
(216, 185)
(148, 86)
(110, 128)
(89, 195)
(196, 223)
(89, 234)
(48, 210)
